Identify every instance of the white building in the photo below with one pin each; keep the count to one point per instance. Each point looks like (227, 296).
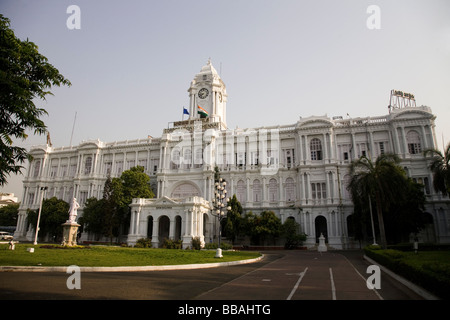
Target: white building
(299, 171)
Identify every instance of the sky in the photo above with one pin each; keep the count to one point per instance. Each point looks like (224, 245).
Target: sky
(131, 62)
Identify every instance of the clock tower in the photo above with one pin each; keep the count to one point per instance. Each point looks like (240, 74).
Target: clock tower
(208, 96)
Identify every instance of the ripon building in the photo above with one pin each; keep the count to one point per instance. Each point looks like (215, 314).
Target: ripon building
(299, 171)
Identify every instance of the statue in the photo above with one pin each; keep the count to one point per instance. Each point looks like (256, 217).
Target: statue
(73, 210)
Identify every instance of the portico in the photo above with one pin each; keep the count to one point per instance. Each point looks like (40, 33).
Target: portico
(175, 219)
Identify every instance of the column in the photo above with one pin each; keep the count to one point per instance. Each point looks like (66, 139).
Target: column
(155, 235)
(172, 228)
(133, 222)
(137, 221)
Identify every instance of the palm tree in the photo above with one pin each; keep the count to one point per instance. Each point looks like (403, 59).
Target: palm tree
(440, 167)
(382, 180)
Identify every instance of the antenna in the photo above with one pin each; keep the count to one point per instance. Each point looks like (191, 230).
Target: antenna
(73, 127)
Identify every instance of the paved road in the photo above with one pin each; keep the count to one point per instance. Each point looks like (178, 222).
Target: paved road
(282, 275)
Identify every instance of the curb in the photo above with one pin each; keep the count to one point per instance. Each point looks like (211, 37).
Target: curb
(130, 268)
(417, 289)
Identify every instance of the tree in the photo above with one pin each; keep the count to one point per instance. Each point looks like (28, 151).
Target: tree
(54, 213)
(440, 166)
(407, 214)
(232, 221)
(25, 75)
(133, 183)
(106, 216)
(8, 214)
(93, 218)
(290, 230)
(383, 181)
(261, 227)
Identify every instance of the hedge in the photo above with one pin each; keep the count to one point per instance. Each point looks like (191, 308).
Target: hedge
(434, 277)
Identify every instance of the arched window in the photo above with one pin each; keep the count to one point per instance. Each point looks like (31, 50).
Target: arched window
(175, 159)
(413, 141)
(241, 191)
(37, 168)
(185, 190)
(257, 191)
(273, 190)
(289, 189)
(316, 149)
(88, 165)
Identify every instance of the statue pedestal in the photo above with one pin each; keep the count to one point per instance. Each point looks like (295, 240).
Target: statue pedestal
(70, 230)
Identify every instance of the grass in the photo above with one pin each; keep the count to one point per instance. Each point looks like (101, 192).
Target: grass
(112, 256)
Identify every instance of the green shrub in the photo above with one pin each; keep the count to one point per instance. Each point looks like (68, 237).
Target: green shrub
(196, 244)
(143, 243)
(172, 244)
(214, 245)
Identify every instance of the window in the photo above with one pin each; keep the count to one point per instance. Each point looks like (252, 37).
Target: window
(256, 191)
(185, 190)
(289, 157)
(381, 147)
(241, 191)
(143, 163)
(319, 191)
(37, 167)
(108, 167)
(53, 171)
(289, 189)
(273, 190)
(131, 164)
(119, 167)
(175, 159)
(88, 165)
(316, 149)
(413, 141)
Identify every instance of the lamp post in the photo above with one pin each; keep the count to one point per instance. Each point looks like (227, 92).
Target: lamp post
(39, 214)
(219, 202)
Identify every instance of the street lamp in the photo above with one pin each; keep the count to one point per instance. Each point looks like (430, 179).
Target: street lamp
(39, 214)
(219, 202)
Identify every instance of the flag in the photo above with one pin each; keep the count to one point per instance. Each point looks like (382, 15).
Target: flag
(185, 111)
(202, 112)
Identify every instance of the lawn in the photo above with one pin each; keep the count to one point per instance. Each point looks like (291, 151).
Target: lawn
(103, 256)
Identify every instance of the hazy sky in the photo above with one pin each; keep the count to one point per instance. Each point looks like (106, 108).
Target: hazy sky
(132, 61)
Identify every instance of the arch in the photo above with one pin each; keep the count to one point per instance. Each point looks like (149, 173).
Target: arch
(163, 228)
(321, 228)
(185, 190)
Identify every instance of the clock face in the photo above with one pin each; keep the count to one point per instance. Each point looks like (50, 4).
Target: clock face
(203, 93)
